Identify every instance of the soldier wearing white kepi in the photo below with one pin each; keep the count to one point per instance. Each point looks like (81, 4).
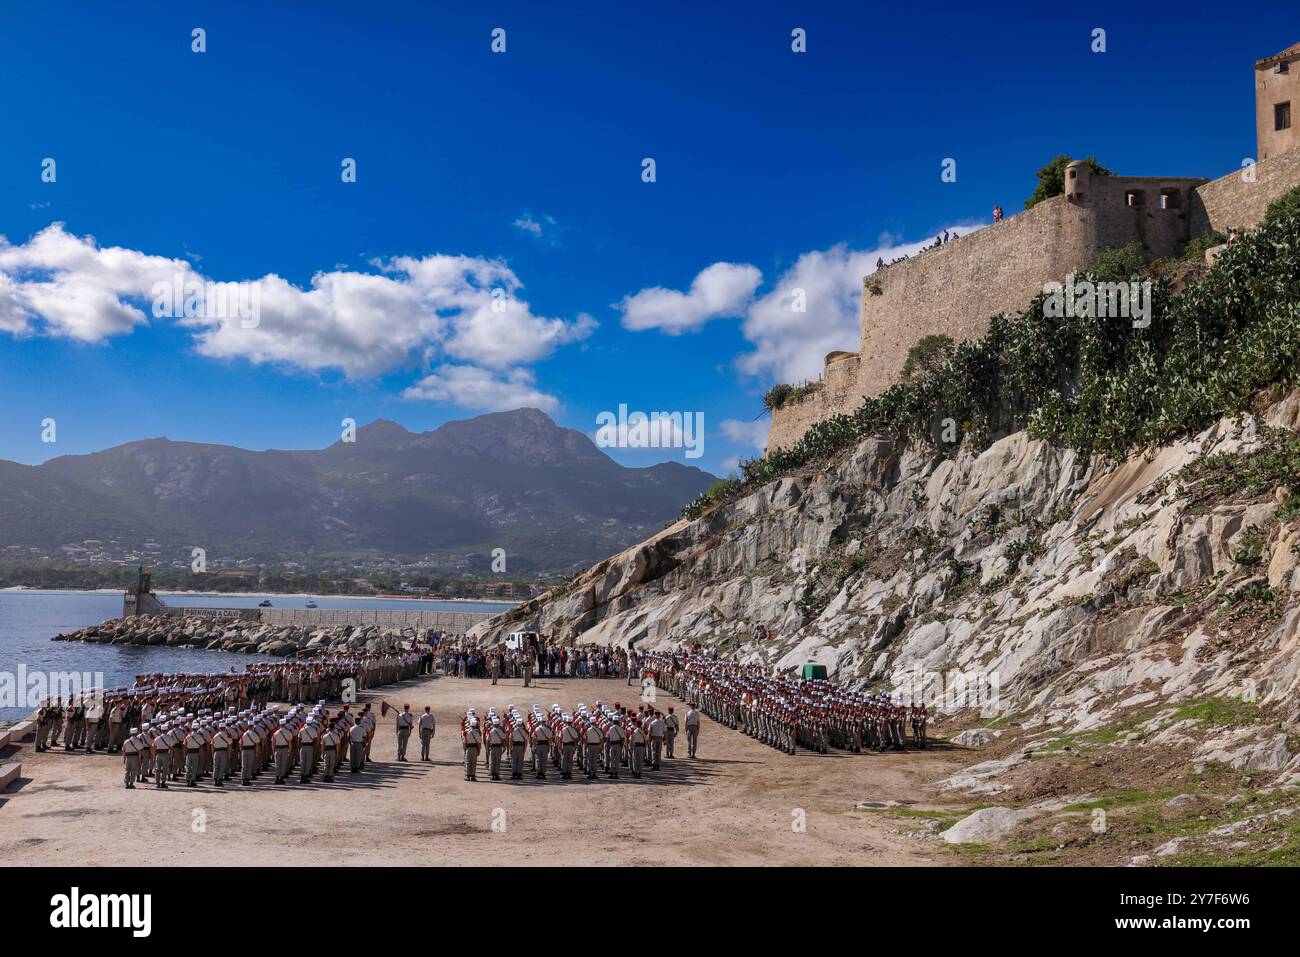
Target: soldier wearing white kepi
(193, 755)
(542, 736)
(222, 742)
(471, 739)
(594, 738)
(131, 759)
(427, 727)
(307, 752)
(568, 744)
(147, 734)
(518, 739)
(248, 754)
(330, 745)
(496, 741)
(614, 745)
(637, 755)
(282, 738)
(357, 742)
(405, 722)
(162, 748)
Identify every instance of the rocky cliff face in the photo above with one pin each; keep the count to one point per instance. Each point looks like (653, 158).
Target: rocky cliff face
(1018, 582)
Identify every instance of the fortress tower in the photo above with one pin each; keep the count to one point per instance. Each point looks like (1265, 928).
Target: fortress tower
(1277, 94)
(956, 289)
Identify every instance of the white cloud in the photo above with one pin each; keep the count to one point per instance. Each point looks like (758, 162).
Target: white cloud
(365, 324)
(62, 285)
(529, 225)
(752, 434)
(473, 388)
(526, 223)
(791, 346)
(723, 289)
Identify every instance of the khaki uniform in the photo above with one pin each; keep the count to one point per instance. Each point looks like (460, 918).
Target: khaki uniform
(330, 744)
(426, 735)
(518, 740)
(163, 763)
(471, 754)
(568, 744)
(131, 760)
(692, 731)
(193, 757)
(221, 745)
(541, 748)
(357, 740)
(658, 730)
(306, 753)
(496, 741)
(614, 743)
(248, 755)
(405, 721)
(594, 739)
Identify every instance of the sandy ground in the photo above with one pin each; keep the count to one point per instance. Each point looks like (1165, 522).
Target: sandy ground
(735, 804)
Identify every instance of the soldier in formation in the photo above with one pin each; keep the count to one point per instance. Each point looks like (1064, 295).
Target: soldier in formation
(198, 727)
(604, 739)
(427, 728)
(784, 712)
(471, 737)
(216, 745)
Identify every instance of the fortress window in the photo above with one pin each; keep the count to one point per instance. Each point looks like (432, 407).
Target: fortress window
(1283, 67)
(1135, 197)
(1282, 116)
(1169, 199)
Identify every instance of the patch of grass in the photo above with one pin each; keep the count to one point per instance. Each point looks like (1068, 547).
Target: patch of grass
(1120, 799)
(1219, 711)
(1250, 546)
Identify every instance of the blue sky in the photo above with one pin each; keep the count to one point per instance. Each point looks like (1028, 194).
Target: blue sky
(522, 171)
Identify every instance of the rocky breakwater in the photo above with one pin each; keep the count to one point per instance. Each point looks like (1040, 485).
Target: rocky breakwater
(250, 637)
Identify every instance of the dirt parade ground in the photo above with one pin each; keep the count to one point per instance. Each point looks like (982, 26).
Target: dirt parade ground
(739, 803)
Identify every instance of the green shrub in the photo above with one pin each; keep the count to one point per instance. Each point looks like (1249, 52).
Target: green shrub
(775, 397)
(782, 395)
(927, 356)
(1195, 250)
(1051, 178)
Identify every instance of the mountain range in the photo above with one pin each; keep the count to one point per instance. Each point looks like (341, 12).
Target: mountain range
(512, 480)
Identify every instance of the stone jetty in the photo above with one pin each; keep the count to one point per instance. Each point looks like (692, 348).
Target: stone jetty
(249, 636)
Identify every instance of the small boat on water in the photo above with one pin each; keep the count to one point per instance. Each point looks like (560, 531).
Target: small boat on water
(264, 603)
(310, 603)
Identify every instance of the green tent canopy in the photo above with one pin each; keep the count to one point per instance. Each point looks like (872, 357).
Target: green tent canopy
(813, 672)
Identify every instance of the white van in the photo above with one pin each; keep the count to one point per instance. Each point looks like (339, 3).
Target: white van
(519, 640)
